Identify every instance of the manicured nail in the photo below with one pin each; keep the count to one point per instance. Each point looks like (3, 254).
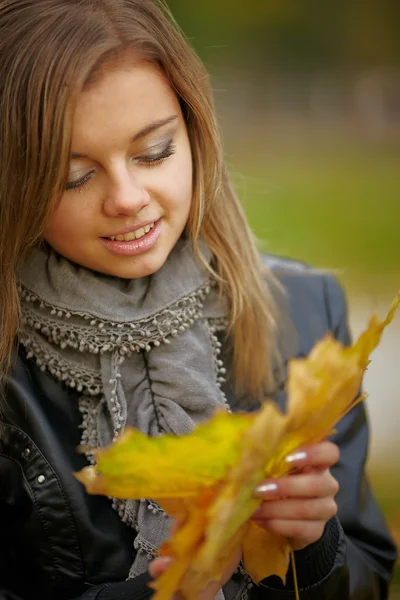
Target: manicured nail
(266, 488)
(298, 456)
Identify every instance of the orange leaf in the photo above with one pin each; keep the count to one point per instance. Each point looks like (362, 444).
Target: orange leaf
(265, 553)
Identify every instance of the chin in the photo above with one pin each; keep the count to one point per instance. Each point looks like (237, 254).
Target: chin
(135, 267)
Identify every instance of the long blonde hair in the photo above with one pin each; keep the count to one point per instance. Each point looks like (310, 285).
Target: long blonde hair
(49, 49)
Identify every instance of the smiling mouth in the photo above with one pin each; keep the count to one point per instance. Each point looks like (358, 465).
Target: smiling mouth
(133, 235)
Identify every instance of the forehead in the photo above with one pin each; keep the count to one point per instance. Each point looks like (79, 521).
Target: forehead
(129, 90)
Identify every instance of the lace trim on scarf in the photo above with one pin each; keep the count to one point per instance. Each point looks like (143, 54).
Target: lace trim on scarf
(100, 336)
(73, 374)
(214, 326)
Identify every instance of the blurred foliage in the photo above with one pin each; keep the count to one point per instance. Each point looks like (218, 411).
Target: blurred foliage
(335, 207)
(290, 34)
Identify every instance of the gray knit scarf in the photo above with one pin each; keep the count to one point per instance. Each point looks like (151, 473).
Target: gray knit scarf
(141, 352)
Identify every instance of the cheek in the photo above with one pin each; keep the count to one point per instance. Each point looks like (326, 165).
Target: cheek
(181, 182)
(56, 227)
(65, 222)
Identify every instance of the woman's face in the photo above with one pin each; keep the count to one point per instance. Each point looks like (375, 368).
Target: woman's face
(129, 188)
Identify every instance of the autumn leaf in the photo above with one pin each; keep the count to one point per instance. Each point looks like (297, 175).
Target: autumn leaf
(368, 341)
(262, 547)
(184, 464)
(235, 501)
(184, 544)
(323, 387)
(208, 477)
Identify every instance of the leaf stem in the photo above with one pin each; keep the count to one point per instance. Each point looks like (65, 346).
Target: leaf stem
(296, 585)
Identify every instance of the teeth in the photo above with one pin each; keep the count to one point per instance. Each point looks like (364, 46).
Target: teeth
(133, 235)
(140, 233)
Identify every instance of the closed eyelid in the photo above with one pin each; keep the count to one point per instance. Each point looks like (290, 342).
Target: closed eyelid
(157, 145)
(79, 163)
(78, 171)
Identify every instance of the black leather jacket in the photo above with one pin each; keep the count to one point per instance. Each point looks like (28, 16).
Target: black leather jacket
(59, 543)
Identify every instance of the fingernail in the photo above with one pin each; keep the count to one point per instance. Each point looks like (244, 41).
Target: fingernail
(266, 488)
(296, 457)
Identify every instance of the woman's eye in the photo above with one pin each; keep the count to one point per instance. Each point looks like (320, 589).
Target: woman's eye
(151, 160)
(78, 183)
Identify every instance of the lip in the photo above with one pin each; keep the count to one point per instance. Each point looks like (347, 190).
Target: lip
(130, 229)
(135, 247)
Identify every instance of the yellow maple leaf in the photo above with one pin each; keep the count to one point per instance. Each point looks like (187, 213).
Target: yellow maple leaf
(235, 502)
(184, 464)
(208, 477)
(323, 387)
(184, 544)
(263, 548)
(369, 339)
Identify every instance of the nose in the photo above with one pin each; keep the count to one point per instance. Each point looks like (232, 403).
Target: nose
(126, 196)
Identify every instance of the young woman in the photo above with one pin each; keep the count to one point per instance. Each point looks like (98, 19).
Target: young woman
(131, 293)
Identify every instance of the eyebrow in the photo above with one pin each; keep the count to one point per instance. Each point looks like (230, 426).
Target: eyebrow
(143, 133)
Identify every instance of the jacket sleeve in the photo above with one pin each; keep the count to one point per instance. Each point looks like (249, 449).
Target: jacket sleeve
(134, 589)
(355, 557)
(15, 509)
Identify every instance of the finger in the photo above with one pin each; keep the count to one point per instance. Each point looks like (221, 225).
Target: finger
(306, 532)
(313, 509)
(322, 455)
(308, 485)
(159, 565)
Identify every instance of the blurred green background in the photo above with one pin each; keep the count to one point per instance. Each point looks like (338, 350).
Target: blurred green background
(308, 95)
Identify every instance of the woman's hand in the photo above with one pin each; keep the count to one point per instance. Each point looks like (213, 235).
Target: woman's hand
(298, 506)
(159, 565)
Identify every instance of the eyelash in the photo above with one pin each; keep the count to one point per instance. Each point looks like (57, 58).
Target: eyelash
(74, 185)
(152, 161)
(146, 161)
